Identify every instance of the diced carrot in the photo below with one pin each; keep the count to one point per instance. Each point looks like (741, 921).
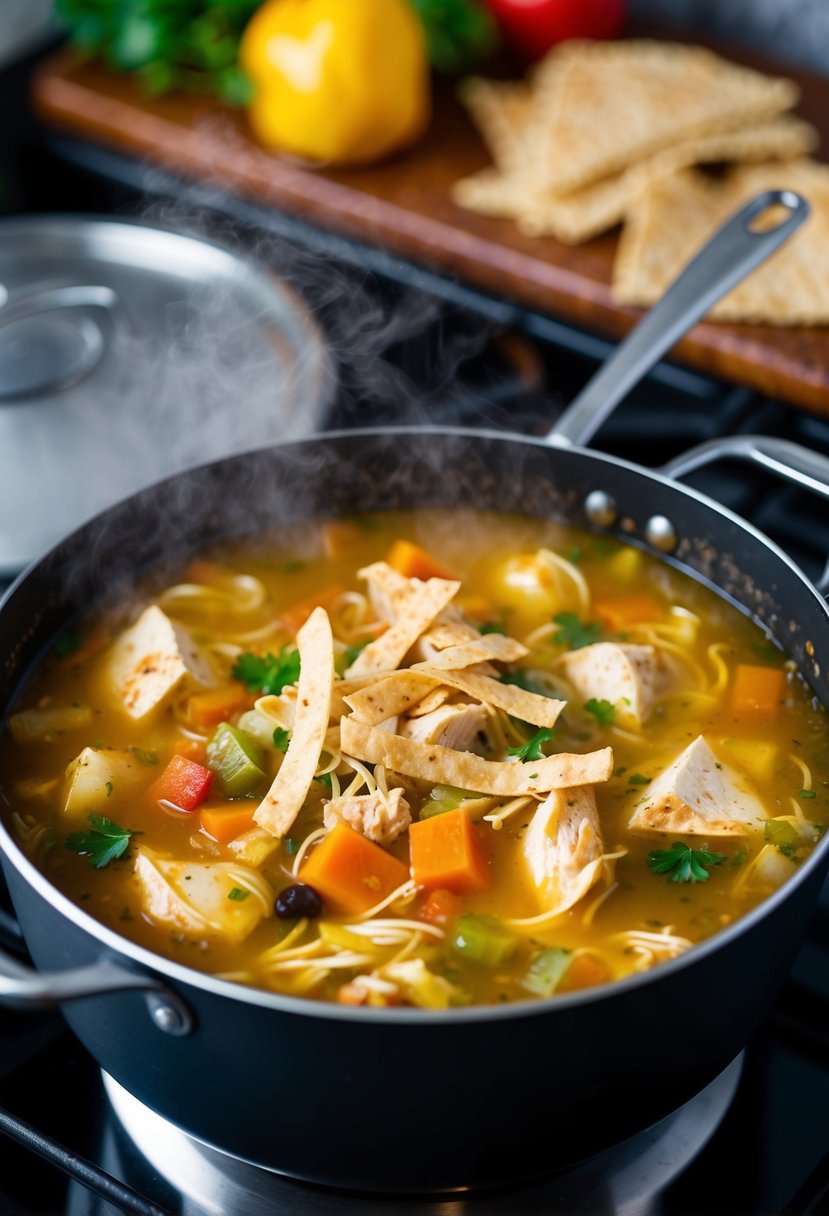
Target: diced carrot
(624, 610)
(293, 618)
(352, 994)
(208, 573)
(190, 748)
(441, 907)
(585, 971)
(184, 783)
(757, 690)
(414, 562)
(340, 537)
(446, 853)
(225, 823)
(351, 873)
(208, 709)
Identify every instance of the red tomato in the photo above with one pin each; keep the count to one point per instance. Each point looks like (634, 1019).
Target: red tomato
(533, 26)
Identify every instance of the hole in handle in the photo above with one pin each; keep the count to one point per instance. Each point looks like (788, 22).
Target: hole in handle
(773, 209)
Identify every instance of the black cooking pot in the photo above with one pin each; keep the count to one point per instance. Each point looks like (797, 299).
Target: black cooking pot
(407, 1099)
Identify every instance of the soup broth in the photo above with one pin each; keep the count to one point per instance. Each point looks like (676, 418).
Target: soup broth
(426, 759)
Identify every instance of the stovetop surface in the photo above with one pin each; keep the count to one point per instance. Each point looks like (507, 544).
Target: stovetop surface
(469, 361)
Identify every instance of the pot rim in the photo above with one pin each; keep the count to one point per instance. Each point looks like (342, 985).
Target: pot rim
(303, 1006)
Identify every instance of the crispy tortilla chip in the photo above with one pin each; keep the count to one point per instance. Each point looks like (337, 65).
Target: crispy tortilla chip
(280, 806)
(495, 646)
(416, 611)
(465, 770)
(676, 215)
(408, 691)
(600, 106)
(500, 109)
(594, 208)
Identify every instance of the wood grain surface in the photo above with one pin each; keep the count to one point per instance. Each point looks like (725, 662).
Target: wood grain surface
(403, 206)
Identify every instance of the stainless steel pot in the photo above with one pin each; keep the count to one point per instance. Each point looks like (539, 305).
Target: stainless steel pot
(403, 1099)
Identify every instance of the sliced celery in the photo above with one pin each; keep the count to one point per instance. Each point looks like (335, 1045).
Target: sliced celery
(444, 798)
(482, 939)
(783, 836)
(236, 759)
(546, 972)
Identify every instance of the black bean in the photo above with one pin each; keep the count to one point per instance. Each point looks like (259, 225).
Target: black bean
(298, 900)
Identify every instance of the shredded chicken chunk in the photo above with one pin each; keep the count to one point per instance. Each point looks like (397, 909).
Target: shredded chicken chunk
(379, 817)
(629, 677)
(563, 847)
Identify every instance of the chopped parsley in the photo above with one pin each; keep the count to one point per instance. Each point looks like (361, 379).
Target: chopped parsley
(269, 673)
(324, 779)
(490, 627)
(291, 846)
(783, 835)
(105, 842)
(639, 779)
(293, 565)
(574, 633)
(602, 711)
(68, 642)
(738, 857)
(281, 738)
(531, 750)
(575, 554)
(807, 794)
(680, 863)
(237, 894)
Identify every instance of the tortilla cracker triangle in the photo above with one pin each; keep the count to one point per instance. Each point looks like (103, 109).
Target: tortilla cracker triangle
(676, 215)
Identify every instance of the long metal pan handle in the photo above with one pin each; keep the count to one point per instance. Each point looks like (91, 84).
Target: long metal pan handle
(735, 250)
(22, 987)
(806, 469)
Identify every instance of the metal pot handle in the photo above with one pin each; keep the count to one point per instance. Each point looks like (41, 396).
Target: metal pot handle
(735, 250)
(806, 469)
(22, 987)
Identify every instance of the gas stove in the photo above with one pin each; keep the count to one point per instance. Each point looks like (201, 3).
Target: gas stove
(755, 1141)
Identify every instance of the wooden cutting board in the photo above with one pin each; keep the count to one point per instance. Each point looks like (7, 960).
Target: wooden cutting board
(403, 206)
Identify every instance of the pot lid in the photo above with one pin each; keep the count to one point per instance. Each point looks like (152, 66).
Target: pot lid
(128, 353)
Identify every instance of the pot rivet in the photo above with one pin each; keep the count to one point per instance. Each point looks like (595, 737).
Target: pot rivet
(600, 508)
(661, 534)
(169, 1015)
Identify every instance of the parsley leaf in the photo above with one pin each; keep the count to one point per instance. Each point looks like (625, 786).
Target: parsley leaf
(575, 633)
(807, 794)
(638, 779)
(104, 843)
(490, 627)
(324, 780)
(267, 674)
(682, 864)
(602, 711)
(238, 894)
(281, 738)
(531, 750)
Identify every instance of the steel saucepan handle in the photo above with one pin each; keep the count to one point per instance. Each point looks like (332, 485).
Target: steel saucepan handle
(735, 250)
(806, 469)
(22, 987)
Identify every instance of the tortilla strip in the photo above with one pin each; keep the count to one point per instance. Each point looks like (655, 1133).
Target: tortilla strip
(491, 646)
(465, 770)
(400, 691)
(432, 701)
(280, 806)
(417, 609)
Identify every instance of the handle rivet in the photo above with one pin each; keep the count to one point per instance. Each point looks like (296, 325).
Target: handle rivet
(169, 1017)
(660, 533)
(600, 509)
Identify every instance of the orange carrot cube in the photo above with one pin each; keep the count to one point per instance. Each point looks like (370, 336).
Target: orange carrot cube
(446, 853)
(414, 562)
(625, 610)
(225, 823)
(351, 873)
(757, 691)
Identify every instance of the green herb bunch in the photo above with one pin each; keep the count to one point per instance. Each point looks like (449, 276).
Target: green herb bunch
(191, 45)
(459, 33)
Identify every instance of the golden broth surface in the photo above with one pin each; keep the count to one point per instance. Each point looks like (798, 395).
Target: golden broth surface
(630, 919)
